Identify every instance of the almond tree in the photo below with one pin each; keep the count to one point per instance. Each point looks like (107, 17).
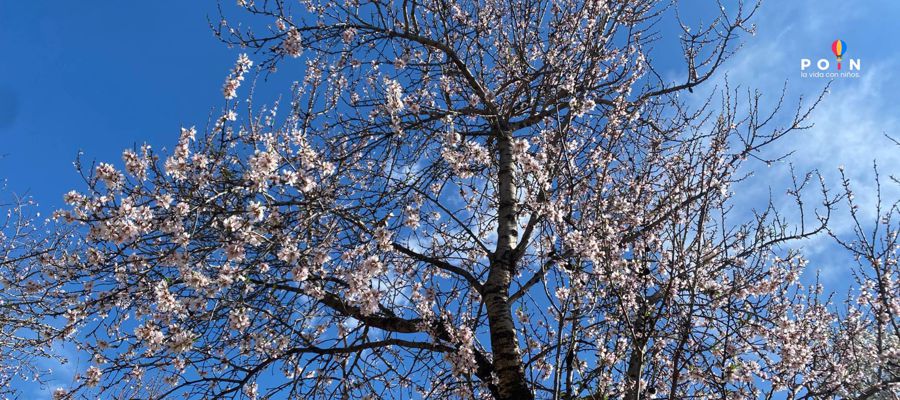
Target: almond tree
(24, 332)
(461, 199)
(866, 343)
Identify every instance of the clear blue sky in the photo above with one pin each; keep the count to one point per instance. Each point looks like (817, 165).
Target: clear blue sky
(98, 76)
(101, 76)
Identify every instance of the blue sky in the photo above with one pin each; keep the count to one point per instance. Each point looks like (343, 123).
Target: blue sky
(101, 76)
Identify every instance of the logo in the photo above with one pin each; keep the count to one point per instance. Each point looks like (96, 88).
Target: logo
(823, 67)
(838, 48)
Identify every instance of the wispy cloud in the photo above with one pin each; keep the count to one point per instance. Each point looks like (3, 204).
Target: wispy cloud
(849, 125)
(61, 375)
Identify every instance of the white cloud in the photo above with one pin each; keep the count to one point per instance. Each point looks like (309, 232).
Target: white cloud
(850, 123)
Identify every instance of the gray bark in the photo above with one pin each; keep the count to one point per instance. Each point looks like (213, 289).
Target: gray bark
(508, 367)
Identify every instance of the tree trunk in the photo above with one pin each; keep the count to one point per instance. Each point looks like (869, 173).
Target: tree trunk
(633, 388)
(504, 343)
(635, 369)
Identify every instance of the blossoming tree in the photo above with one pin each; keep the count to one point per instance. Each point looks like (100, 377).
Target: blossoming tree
(24, 332)
(500, 200)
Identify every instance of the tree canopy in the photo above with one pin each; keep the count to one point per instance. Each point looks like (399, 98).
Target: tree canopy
(490, 199)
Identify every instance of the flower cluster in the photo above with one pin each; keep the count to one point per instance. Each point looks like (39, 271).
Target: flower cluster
(292, 44)
(363, 284)
(462, 360)
(233, 81)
